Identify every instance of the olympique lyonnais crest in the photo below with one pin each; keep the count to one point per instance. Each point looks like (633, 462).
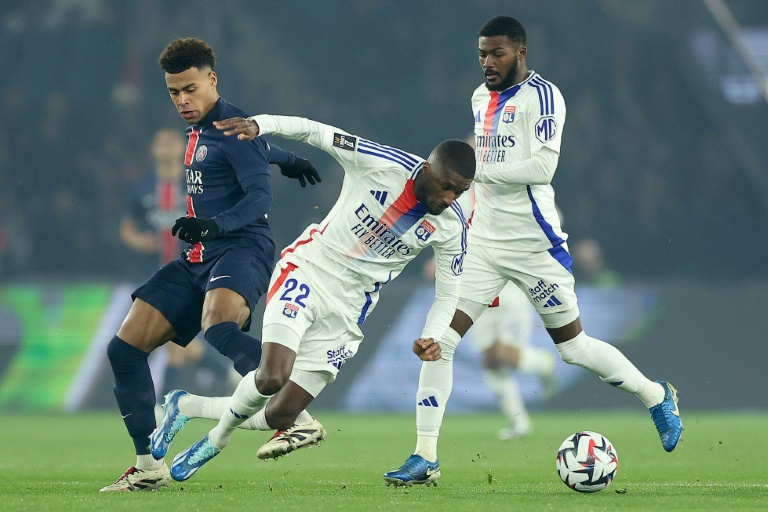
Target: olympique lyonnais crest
(202, 152)
(508, 115)
(290, 310)
(424, 230)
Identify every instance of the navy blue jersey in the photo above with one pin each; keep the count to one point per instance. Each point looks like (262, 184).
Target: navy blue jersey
(228, 180)
(154, 206)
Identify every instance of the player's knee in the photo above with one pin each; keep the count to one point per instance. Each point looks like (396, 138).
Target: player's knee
(471, 309)
(122, 355)
(576, 351)
(270, 381)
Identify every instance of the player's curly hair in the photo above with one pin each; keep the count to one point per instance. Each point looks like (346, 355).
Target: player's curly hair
(458, 155)
(504, 26)
(185, 53)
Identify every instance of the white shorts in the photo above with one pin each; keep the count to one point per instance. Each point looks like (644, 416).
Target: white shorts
(509, 323)
(302, 315)
(544, 276)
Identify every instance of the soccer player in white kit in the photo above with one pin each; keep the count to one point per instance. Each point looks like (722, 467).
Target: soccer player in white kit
(515, 236)
(392, 205)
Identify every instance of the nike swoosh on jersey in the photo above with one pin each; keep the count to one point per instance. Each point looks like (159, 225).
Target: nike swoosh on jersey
(218, 277)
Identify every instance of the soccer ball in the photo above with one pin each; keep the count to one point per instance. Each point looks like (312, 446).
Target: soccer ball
(587, 462)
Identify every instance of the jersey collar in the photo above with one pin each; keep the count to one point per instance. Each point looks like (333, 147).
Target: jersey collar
(508, 93)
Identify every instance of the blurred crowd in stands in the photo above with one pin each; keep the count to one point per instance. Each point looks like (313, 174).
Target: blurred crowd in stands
(645, 170)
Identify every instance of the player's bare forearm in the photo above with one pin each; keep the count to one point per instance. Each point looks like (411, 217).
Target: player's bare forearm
(427, 349)
(245, 129)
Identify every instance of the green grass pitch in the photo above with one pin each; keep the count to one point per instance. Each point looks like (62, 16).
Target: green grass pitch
(58, 463)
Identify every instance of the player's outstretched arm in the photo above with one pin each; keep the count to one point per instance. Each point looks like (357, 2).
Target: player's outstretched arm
(427, 349)
(245, 129)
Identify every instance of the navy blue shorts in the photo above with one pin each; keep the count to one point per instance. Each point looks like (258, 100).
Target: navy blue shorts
(178, 289)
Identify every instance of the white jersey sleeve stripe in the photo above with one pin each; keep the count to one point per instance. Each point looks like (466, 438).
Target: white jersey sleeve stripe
(390, 149)
(546, 96)
(391, 158)
(416, 170)
(457, 209)
(400, 156)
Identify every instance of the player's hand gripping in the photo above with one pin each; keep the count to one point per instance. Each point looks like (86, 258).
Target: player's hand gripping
(301, 170)
(193, 230)
(427, 349)
(245, 129)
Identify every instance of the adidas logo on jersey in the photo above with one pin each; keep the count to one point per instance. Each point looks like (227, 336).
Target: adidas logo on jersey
(553, 302)
(380, 196)
(428, 402)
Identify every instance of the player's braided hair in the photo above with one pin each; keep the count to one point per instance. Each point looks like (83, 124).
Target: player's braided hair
(189, 52)
(504, 26)
(457, 155)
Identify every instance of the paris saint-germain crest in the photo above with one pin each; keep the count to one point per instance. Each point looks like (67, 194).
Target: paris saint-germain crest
(202, 152)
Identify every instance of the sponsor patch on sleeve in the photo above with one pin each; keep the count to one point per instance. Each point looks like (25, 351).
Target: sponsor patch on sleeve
(344, 141)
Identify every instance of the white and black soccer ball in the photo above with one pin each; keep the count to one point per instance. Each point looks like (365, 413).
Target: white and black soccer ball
(587, 462)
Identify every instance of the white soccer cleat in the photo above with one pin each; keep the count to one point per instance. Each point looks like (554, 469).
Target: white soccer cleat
(286, 441)
(140, 480)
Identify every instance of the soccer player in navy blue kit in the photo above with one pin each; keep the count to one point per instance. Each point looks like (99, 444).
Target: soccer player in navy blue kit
(226, 267)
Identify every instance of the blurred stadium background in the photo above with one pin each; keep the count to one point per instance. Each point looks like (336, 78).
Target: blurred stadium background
(664, 167)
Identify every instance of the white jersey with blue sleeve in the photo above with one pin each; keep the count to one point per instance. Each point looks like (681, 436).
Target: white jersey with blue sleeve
(376, 226)
(517, 135)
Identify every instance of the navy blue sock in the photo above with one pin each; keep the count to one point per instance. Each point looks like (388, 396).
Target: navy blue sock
(134, 391)
(243, 350)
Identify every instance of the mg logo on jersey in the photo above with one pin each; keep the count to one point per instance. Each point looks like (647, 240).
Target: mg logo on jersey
(202, 152)
(508, 115)
(424, 230)
(546, 129)
(290, 310)
(458, 264)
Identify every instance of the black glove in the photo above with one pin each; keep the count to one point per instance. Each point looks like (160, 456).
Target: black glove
(300, 170)
(193, 230)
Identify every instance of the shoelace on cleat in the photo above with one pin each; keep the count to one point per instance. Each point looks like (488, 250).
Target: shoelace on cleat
(206, 452)
(411, 465)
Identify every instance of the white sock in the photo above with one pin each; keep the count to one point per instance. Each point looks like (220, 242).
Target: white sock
(304, 418)
(207, 407)
(611, 366)
(196, 406)
(244, 403)
(536, 360)
(507, 392)
(435, 385)
(148, 462)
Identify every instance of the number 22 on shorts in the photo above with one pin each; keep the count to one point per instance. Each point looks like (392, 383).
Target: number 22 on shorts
(294, 293)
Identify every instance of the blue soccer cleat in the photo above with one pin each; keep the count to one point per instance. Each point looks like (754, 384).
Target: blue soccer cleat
(173, 422)
(666, 417)
(415, 470)
(190, 460)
